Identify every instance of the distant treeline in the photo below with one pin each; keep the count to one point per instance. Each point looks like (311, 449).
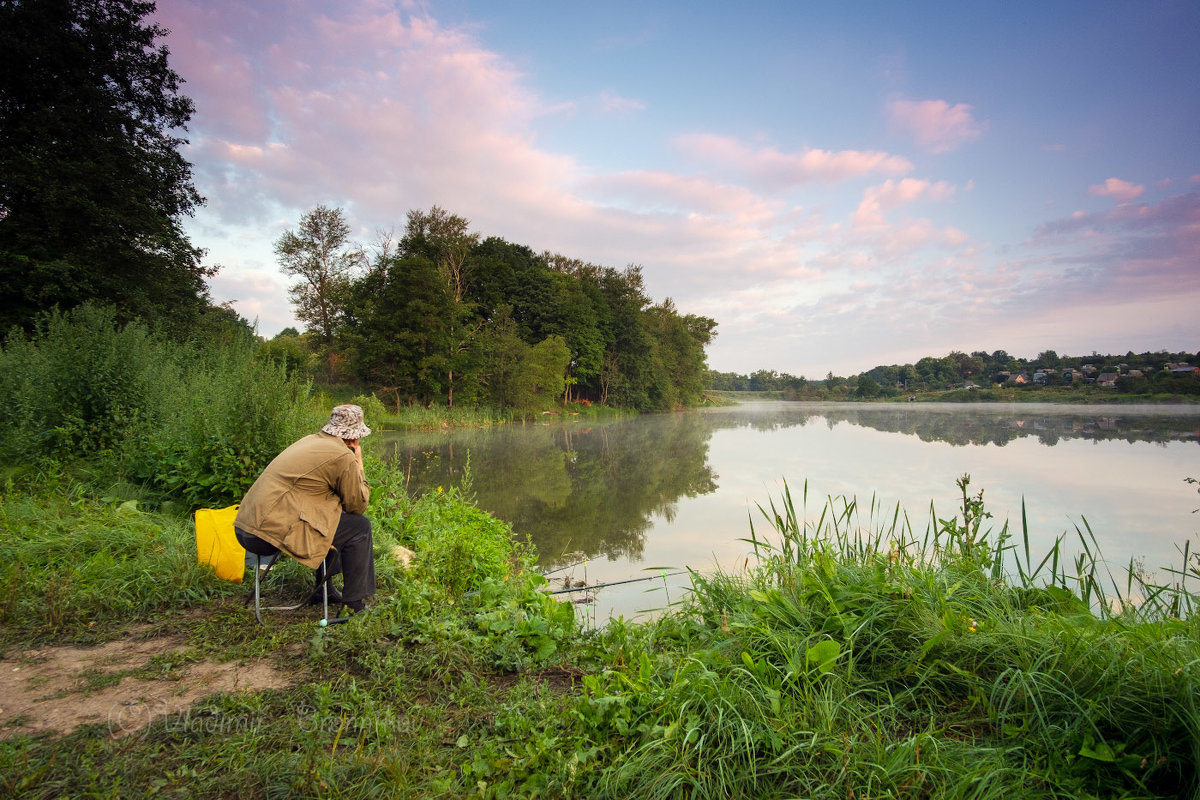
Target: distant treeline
(1133, 373)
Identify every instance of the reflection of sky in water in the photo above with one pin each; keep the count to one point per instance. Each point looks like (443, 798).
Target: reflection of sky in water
(1132, 494)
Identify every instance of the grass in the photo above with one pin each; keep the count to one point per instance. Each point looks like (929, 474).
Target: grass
(420, 418)
(384, 414)
(856, 658)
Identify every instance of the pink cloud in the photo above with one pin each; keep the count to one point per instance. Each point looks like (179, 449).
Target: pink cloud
(354, 104)
(773, 169)
(1132, 253)
(936, 125)
(890, 194)
(1119, 190)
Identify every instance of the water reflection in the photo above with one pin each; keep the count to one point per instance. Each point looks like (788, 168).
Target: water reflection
(676, 489)
(590, 489)
(990, 424)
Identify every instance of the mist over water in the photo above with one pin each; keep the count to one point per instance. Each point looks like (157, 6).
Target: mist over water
(619, 499)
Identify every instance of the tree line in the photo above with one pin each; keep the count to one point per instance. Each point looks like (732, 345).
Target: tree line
(439, 314)
(1137, 373)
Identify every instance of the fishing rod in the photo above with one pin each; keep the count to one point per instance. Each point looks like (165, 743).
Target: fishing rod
(561, 569)
(604, 585)
(618, 583)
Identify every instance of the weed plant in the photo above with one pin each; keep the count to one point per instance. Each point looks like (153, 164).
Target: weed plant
(434, 418)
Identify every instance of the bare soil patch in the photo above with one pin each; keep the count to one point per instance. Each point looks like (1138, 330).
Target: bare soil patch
(60, 688)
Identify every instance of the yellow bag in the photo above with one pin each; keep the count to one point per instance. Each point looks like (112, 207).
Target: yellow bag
(216, 544)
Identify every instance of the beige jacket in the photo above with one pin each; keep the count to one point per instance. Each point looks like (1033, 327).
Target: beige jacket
(298, 499)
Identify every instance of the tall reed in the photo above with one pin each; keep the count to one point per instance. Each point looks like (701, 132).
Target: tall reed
(860, 658)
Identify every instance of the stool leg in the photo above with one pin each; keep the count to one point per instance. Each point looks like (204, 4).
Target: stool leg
(329, 620)
(257, 587)
(325, 589)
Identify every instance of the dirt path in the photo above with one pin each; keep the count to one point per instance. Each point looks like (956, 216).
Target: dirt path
(62, 687)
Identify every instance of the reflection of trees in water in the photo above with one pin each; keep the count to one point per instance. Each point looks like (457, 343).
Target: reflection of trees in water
(976, 425)
(595, 488)
(571, 488)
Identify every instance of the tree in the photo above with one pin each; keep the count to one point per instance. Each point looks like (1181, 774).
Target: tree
(92, 184)
(627, 373)
(868, 387)
(321, 256)
(222, 324)
(573, 316)
(504, 354)
(545, 370)
(1047, 358)
(287, 348)
(764, 380)
(681, 340)
(395, 328)
(443, 238)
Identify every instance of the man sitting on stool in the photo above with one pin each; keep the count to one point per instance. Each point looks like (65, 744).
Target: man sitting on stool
(310, 498)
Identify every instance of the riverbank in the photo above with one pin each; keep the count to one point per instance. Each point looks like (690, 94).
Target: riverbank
(414, 418)
(840, 662)
(1065, 395)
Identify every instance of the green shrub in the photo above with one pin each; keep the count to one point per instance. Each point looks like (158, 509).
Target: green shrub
(233, 414)
(373, 408)
(457, 544)
(80, 385)
(194, 422)
(519, 623)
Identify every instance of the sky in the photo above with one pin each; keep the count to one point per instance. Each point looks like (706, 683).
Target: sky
(838, 185)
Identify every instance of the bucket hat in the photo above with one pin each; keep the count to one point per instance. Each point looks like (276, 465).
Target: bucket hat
(346, 422)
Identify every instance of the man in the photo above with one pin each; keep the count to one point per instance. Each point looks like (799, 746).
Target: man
(311, 498)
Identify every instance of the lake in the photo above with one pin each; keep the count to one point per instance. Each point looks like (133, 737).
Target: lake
(653, 494)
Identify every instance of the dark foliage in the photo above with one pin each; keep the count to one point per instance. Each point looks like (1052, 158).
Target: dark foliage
(92, 183)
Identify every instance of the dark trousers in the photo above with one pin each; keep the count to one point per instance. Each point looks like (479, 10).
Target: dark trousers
(353, 555)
